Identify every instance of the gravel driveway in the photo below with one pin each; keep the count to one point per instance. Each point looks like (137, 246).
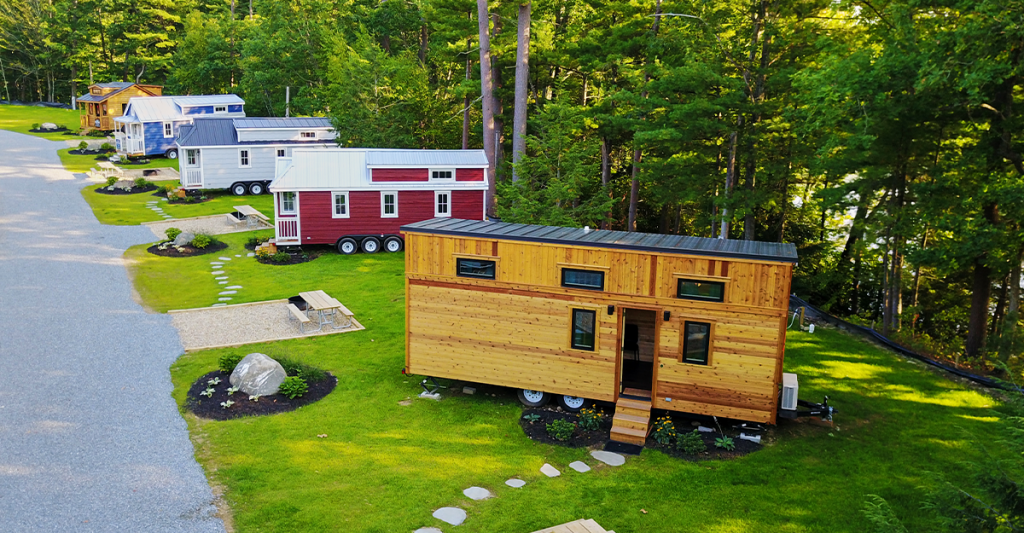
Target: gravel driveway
(90, 439)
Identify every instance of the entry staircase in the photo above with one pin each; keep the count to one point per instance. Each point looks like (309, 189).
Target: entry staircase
(632, 419)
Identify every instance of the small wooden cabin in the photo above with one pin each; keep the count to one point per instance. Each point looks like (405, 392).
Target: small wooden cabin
(108, 100)
(685, 324)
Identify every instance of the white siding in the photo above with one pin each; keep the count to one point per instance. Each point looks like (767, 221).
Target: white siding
(264, 134)
(220, 166)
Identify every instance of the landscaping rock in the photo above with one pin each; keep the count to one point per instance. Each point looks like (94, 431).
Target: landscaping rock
(579, 466)
(515, 483)
(184, 238)
(258, 375)
(468, 390)
(608, 458)
(477, 493)
(47, 126)
(549, 471)
(450, 515)
(233, 287)
(224, 258)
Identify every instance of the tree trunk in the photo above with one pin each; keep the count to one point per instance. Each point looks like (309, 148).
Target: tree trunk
(499, 110)
(606, 176)
(634, 186)
(465, 99)
(1010, 336)
(522, 77)
(730, 178)
(1000, 312)
(917, 284)
(487, 100)
(423, 44)
(981, 287)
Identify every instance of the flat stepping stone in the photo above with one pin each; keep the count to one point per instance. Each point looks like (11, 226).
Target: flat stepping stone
(428, 530)
(450, 515)
(238, 255)
(222, 283)
(222, 277)
(608, 458)
(219, 305)
(579, 466)
(234, 287)
(225, 293)
(477, 493)
(217, 272)
(224, 299)
(549, 471)
(224, 258)
(251, 254)
(515, 483)
(167, 216)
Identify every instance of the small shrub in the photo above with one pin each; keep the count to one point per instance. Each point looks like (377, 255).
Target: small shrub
(264, 254)
(107, 147)
(531, 418)
(142, 182)
(161, 189)
(227, 363)
(111, 180)
(281, 257)
(590, 419)
(202, 240)
(664, 430)
(293, 387)
(256, 241)
(172, 233)
(691, 443)
(83, 146)
(561, 429)
(726, 443)
(35, 125)
(311, 374)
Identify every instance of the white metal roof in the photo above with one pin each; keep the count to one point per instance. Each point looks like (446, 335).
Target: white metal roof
(153, 108)
(342, 169)
(426, 158)
(208, 99)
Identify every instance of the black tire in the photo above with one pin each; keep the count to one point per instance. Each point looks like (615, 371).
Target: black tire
(256, 188)
(370, 245)
(347, 246)
(171, 154)
(573, 404)
(266, 187)
(393, 244)
(239, 189)
(532, 398)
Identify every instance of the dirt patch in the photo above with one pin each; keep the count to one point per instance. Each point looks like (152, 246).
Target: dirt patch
(743, 447)
(119, 191)
(537, 430)
(186, 251)
(210, 407)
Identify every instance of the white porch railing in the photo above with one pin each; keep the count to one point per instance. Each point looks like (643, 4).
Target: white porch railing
(288, 229)
(193, 177)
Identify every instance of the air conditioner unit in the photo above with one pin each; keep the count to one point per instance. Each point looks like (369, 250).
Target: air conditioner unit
(790, 391)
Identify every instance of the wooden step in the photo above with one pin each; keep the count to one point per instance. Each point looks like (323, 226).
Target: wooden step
(634, 404)
(633, 412)
(646, 394)
(629, 436)
(631, 421)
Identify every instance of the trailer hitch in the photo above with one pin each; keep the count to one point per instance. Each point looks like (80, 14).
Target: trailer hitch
(822, 410)
(434, 385)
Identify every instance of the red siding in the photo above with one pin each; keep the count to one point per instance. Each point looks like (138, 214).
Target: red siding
(469, 174)
(318, 227)
(399, 174)
(468, 205)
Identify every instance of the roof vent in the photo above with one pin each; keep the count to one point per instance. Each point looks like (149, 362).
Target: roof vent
(586, 229)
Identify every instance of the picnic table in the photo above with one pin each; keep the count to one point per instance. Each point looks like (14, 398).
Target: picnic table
(253, 218)
(108, 168)
(328, 310)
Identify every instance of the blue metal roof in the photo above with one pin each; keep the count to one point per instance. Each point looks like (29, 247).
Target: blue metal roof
(276, 122)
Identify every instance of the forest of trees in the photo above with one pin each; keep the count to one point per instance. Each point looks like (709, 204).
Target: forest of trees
(882, 137)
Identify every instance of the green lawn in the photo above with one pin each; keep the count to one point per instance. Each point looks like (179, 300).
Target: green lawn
(385, 467)
(128, 210)
(82, 163)
(20, 118)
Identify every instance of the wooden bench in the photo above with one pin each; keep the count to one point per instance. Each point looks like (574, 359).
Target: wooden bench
(233, 220)
(300, 316)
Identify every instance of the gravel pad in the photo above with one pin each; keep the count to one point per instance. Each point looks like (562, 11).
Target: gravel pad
(210, 225)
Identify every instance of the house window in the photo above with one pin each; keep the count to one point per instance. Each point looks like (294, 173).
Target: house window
(95, 91)
(168, 129)
(340, 205)
(582, 279)
(308, 134)
(474, 268)
(192, 157)
(220, 109)
(583, 327)
(696, 342)
(442, 204)
(243, 158)
(280, 152)
(104, 108)
(389, 205)
(444, 174)
(712, 291)
(288, 203)
(123, 108)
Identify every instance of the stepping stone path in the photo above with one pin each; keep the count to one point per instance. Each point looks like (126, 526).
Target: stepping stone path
(450, 515)
(222, 283)
(477, 493)
(608, 458)
(225, 293)
(222, 277)
(579, 466)
(251, 254)
(217, 272)
(224, 258)
(427, 530)
(234, 287)
(224, 299)
(549, 471)
(219, 305)
(238, 255)
(515, 483)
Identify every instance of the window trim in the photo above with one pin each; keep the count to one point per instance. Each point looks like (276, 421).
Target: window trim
(281, 152)
(431, 171)
(437, 195)
(384, 194)
(295, 203)
(307, 135)
(696, 279)
(572, 329)
(190, 154)
(334, 204)
(168, 126)
(248, 156)
(683, 341)
(485, 259)
(568, 269)
(223, 109)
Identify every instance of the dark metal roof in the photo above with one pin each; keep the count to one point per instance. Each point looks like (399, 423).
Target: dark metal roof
(767, 251)
(276, 122)
(221, 132)
(115, 85)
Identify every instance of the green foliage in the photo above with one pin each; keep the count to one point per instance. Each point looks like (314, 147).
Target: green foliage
(691, 443)
(107, 147)
(201, 240)
(256, 241)
(725, 443)
(881, 516)
(83, 146)
(561, 429)
(111, 180)
(229, 361)
(293, 387)
(664, 430)
(531, 418)
(281, 257)
(172, 233)
(142, 182)
(590, 419)
(309, 373)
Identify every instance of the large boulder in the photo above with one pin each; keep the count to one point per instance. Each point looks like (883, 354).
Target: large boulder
(47, 126)
(258, 375)
(184, 238)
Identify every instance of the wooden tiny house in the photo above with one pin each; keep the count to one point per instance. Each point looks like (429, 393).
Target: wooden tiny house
(679, 323)
(105, 101)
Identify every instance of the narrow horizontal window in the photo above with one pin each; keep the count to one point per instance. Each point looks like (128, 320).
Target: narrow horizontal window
(696, 342)
(712, 291)
(583, 327)
(442, 174)
(308, 134)
(475, 268)
(583, 279)
(220, 109)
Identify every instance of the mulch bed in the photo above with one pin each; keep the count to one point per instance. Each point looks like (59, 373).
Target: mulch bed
(537, 431)
(295, 258)
(119, 191)
(267, 405)
(743, 447)
(40, 130)
(176, 201)
(189, 250)
(87, 152)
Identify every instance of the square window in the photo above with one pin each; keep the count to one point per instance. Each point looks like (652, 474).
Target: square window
(220, 109)
(583, 279)
(583, 327)
(168, 129)
(389, 205)
(280, 152)
(442, 174)
(243, 159)
(442, 204)
(696, 342)
(340, 205)
(712, 291)
(475, 268)
(288, 202)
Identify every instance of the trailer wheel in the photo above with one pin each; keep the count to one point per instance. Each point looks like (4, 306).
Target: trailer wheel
(533, 398)
(393, 244)
(239, 189)
(573, 404)
(256, 188)
(171, 154)
(370, 245)
(347, 246)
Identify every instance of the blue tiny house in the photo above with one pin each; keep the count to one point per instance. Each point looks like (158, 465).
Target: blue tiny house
(150, 125)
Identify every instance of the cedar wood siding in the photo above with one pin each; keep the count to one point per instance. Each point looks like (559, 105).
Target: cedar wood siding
(319, 226)
(399, 174)
(514, 330)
